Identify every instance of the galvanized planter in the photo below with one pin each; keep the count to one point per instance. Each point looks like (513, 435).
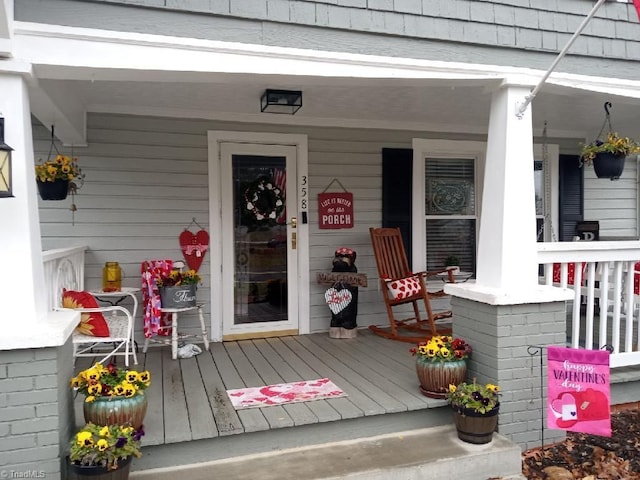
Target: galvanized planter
(183, 296)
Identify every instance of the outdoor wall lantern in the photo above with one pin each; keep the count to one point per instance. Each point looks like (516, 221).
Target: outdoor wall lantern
(5, 165)
(281, 101)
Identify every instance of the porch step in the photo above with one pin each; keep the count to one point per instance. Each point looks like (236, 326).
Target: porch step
(433, 453)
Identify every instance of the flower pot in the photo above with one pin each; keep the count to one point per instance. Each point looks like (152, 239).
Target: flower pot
(183, 296)
(53, 190)
(435, 376)
(117, 410)
(96, 472)
(608, 165)
(474, 427)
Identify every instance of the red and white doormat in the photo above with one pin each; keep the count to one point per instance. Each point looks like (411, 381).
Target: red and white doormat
(282, 393)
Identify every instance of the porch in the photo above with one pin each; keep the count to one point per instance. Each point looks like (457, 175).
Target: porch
(187, 399)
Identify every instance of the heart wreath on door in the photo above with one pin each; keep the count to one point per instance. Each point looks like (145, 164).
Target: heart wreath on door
(194, 246)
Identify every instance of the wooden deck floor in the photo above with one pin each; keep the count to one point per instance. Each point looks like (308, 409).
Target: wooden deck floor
(188, 401)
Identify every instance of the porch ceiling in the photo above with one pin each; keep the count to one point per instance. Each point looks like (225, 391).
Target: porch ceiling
(423, 105)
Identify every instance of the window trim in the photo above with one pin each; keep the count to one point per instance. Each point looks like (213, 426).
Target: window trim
(468, 149)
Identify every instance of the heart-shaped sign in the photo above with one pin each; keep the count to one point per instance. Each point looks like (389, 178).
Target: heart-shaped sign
(193, 247)
(337, 300)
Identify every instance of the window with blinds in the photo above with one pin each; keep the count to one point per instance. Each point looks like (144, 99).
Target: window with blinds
(451, 217)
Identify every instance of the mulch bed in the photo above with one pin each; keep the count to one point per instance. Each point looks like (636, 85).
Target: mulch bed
(590, 457)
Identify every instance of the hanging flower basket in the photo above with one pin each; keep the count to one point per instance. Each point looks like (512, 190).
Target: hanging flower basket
(56, 190)
(608, 165)
(608, 154)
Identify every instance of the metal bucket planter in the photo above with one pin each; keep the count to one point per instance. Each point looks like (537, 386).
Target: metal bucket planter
(608, 165)
(183, 296)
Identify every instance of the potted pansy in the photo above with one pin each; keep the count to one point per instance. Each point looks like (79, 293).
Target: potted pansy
(178, 289)
(475, 409)
(440, 361)
(58, 176)
(103, 451)
(113, 395)
(608, 156)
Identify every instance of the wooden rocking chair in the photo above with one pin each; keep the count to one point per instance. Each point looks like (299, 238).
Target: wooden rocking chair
(401, 286)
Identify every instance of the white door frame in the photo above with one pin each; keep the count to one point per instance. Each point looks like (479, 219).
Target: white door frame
(215, 139)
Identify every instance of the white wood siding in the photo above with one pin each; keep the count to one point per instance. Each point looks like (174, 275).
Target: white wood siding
(146, 178)
(613, 203)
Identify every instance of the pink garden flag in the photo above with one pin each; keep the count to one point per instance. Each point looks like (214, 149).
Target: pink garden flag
(578, 390)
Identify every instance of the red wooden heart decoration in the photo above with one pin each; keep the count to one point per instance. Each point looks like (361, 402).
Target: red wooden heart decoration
(193, 247)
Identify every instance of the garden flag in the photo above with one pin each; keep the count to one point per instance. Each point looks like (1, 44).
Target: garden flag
(636, 3)
(578, 390)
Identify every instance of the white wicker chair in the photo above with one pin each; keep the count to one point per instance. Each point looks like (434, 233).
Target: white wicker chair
(119, 320)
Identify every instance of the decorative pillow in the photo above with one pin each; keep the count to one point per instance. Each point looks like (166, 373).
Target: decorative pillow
(403, 288)
(90, 323)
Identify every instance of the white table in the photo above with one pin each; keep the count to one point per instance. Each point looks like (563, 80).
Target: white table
(119, 296)
(174, 330)
(458, 277)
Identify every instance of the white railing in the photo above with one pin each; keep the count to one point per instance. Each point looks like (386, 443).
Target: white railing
(63, 268)
(604, 312)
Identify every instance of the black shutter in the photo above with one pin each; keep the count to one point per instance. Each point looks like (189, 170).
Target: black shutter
(397, 173)
(571, 196)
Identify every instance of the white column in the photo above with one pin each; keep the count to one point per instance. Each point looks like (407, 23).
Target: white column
(22, 290)
(507, 254)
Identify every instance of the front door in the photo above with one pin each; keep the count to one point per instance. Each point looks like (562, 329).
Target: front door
(259, 229)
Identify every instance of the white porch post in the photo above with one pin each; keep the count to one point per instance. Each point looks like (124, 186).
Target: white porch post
(507, 254)
(505, 310)
(22, 291)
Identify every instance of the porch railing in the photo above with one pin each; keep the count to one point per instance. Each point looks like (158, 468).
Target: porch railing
(63, 268)
(604, 312)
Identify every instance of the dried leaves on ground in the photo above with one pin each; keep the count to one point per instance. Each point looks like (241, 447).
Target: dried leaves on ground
(590, 457)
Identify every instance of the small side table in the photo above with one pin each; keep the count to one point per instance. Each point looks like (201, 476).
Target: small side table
(114, 298)
(174, 330)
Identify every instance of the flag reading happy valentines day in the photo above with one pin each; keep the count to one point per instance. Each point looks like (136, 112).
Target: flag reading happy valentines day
(578, 397)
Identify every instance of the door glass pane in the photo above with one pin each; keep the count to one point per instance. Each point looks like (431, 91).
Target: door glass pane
(260, 239)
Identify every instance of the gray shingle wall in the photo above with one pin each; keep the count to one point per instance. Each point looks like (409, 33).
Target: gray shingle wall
(508, 23)
(36, 415)
(499, 336)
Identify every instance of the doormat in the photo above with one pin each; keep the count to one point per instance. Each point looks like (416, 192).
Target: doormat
(283, 393)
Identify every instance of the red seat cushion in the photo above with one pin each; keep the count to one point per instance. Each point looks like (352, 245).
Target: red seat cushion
(92, 323)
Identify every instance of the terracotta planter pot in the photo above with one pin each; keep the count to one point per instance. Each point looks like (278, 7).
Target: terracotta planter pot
(474, 427)
(436, 376)
(53, 190)
(117, 410)
(80, 472)
(608, 165)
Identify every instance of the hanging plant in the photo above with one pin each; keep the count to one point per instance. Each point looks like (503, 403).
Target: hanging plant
(608, 155)
(264, 200)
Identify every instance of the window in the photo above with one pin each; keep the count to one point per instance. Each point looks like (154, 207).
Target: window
(450, 211)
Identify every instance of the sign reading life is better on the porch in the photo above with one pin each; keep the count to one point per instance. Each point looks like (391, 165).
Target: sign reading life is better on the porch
(335, 210)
